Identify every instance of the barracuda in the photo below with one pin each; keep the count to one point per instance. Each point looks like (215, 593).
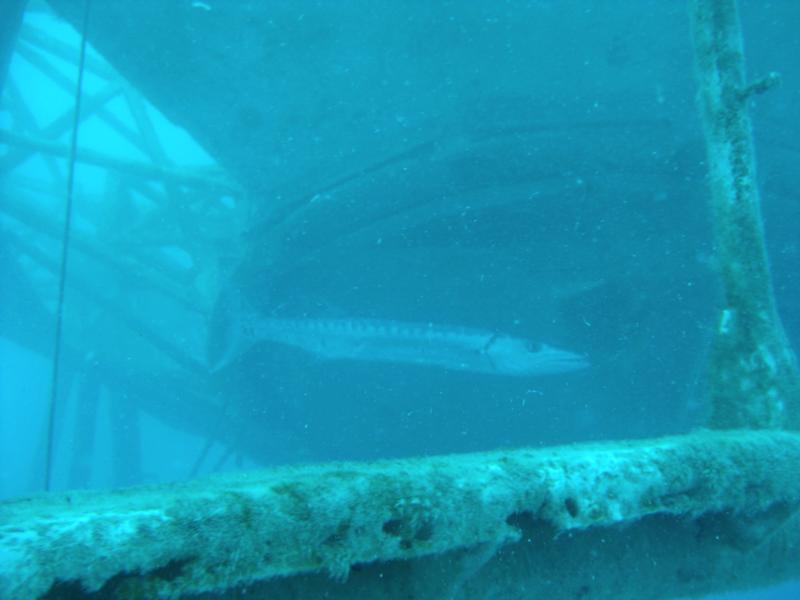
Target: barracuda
(373, 340)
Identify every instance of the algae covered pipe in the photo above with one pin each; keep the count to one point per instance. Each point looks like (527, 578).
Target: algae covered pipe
(753, 377)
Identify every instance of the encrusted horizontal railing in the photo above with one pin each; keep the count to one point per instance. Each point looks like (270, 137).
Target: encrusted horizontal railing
(217, 533)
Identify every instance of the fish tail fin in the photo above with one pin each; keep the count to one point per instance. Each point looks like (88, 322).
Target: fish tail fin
(231, 328)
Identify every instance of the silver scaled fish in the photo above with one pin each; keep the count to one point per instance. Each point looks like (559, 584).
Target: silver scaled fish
(376, 340)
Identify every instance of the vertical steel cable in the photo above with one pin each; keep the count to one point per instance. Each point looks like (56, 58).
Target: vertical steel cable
(64, 253)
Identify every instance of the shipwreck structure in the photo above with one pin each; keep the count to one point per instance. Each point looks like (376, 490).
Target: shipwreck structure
(683, 514)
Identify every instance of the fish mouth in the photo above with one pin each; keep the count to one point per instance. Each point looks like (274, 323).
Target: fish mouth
(564, 360)
(546, 361)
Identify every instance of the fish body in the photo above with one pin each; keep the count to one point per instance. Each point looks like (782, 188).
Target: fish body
(375, 340)
(453, 348)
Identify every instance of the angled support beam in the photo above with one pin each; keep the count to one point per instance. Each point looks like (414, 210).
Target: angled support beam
(144, 170)
(24, 120)
(66, 52)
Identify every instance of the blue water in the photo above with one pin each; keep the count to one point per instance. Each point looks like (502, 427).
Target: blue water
(528, 168)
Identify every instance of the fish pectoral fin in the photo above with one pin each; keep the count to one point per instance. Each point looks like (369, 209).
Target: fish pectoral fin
(492, 339)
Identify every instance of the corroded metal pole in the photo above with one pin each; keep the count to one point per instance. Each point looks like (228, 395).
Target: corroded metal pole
(753, 375)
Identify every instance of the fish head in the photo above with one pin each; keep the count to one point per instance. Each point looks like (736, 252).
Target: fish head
(514, 356)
